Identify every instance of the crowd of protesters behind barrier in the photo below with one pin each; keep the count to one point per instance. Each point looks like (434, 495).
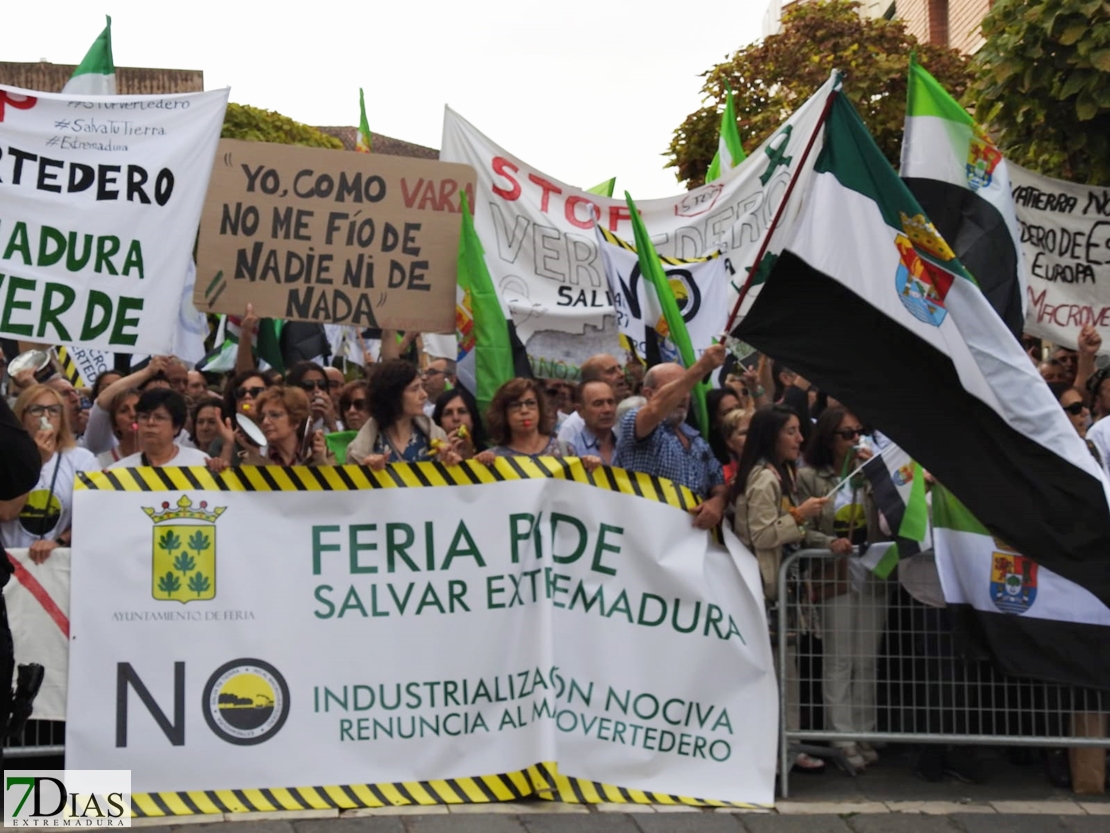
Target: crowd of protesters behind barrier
(774, 454)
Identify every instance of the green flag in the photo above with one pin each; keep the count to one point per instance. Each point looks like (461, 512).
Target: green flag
(604, 189)
(493, 352)
(363, 144)
(652, 271)
(730, 152)
(96, 74)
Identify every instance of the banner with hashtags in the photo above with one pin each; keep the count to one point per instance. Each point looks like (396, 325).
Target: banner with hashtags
(275, 628)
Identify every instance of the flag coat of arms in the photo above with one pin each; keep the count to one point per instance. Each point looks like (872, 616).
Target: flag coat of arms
(962, 182)
(866, 299)
(1033, 621)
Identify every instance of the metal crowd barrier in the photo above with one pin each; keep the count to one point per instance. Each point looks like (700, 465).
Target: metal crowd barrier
(860, 659)
(38, 738)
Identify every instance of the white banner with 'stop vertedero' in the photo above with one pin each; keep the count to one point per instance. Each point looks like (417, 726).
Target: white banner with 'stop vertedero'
(280, 637)
(100, 197)
(540, 246)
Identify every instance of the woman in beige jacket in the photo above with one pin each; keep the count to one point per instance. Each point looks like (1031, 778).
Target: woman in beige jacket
(768, 517)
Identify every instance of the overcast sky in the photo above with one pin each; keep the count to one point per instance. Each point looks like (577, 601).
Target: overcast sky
(581, 89)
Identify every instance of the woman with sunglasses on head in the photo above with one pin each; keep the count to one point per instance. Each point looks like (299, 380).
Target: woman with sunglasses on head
(853, 602)
(397, 430)
(311, 378)
(456, 412)
(40, 519)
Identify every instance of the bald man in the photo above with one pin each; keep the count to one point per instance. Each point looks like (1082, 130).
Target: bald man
(655, 439)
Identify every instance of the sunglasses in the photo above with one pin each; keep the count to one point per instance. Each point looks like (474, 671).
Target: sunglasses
(320, 384)
(553, 391)
(849, 433)
(253, 392)
(1075, 408)
(360, 404)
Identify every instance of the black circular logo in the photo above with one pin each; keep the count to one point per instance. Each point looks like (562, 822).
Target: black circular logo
(246, 701)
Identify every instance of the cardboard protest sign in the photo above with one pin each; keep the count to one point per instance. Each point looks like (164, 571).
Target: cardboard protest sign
(99, 202)
(1065, 236)
(307, 234)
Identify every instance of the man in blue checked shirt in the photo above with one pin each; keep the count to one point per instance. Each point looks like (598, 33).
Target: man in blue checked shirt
(655, 439)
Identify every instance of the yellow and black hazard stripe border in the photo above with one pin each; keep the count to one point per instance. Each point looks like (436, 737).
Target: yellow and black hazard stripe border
(670, 261)
(541, 781)
(69, 368)
(398, 475)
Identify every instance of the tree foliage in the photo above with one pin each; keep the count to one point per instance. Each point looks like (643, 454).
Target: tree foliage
(1043, 85)
(771, 78)
(255, 125)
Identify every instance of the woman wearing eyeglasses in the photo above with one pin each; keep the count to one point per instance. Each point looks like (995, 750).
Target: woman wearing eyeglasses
(521, 419)
(284, 416)
(160, 414)
(397, 430)
(40, 520)
(853, 602)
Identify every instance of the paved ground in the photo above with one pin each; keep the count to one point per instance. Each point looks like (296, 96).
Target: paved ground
(886, 799)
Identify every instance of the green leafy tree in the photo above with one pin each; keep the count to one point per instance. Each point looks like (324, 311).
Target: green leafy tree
(1042, 85)
(169, 583)
(771, 78)
(199, 582)
(255, 125)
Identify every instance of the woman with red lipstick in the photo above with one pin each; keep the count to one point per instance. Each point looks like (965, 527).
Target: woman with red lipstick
(520, 422)
(769, 517)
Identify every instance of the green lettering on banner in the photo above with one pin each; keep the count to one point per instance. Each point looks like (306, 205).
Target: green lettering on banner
(319, 547)
(51, 314)
(583, 538)
(356, 546)
(455, 551)
(400, 548)
(124, 306)
(604, 547)
(16, 284)
(98, 304)
(19, 244)
(329, 609)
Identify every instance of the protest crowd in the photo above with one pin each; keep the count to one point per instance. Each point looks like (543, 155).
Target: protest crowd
(841, 392)
(777, 452)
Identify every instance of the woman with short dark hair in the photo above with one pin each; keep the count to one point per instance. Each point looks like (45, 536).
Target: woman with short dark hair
(160, 414)
(456, 412)
(398, 431)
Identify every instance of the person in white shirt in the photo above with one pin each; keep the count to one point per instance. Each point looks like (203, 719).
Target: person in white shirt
(40, 519)
(161, 415)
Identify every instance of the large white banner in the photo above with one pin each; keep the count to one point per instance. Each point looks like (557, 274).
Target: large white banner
(231, 639)
(700, 287)
(37, 598)
(100, 197)
(539, 239)
(1065, 237)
